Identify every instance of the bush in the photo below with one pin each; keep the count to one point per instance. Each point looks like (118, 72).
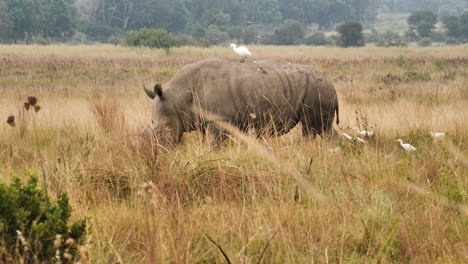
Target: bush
(114, 40)
(148, 37)
(187, 40)
(96, 30)
(316, 39)
(29, 224)
(40, 41)
(451, 41)
(216, 36)
(289, 33)
(79, 38)
(350, 34)
(425, 42)
(249, 35)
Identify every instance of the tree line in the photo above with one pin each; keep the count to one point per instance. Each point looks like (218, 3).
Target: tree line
(207, 21)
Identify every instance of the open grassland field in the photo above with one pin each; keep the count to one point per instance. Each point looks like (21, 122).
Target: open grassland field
(297, 203)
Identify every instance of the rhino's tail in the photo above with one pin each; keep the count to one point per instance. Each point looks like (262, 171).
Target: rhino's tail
(337, 114)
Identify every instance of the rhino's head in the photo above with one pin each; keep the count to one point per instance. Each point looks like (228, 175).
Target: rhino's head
(167, 121)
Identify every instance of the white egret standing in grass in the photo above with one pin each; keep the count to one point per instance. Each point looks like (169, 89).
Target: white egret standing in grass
(364, 133)
(437, 135)
(354, 138)
(241, 51)
(407, 147)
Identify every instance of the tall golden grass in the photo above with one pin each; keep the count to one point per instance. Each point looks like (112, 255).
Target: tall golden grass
(367, 203)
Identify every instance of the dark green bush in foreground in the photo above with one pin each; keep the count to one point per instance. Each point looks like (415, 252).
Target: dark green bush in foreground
(32, 228)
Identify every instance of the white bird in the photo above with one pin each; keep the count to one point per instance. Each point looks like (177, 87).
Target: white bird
(241, 51)
(437, 135)
(354, 138)
(364, 133)
(407, 147)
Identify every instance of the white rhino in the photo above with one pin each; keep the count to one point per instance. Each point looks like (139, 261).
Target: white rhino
(269, 96)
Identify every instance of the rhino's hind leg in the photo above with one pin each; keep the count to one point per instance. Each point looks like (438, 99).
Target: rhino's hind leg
(315, 124)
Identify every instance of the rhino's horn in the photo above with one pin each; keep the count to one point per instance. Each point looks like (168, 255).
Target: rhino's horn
(150, 93)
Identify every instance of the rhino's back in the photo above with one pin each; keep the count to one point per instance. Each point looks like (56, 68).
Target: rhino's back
(258, 92)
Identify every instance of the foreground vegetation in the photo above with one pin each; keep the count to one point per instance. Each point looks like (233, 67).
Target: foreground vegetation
(371, 203)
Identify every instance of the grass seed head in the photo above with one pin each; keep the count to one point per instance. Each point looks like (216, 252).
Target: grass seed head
(32, 100)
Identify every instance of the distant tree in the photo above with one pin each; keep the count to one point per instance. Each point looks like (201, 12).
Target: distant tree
(171, 15)
(268, 12)
(350, 34)
(452, 24)
(249, 35)
(216, 36)
(235, 32)
(464, 25)
(316, 39)
(60, 20)
(27, 18)
(424, 20)
(331, 12)
(153, 38)
(5, 22)
(239, 15)
(216, 17)
(289, 33)
(97, 31)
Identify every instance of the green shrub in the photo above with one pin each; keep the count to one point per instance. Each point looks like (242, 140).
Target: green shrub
(32, 228)
(148, 37)
(316, 39)
(96, 30)
(249, 35)
(425, 42)
(350, 34)
(451, 41)
(186, 40)
(114, 40)
(79, 38)
(40, 41)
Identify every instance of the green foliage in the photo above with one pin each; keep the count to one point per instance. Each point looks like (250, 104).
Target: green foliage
(400, 61)
(439, 65)
(28, 209)
(96, 30)
(424, 20)
(449, 186)
(215, 16)
(153, 38)
(79, 38)
(457, 26)
(5, 22)
(269, 12)
(425, 42)
(350, 34)
(387, 38)
(289, 33)
(40, 41)
(316, 39)
(216, 36)
(187, 40)
(249, 35)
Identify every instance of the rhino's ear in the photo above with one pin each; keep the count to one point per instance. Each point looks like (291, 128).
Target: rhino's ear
(158, 91)
(150, 93)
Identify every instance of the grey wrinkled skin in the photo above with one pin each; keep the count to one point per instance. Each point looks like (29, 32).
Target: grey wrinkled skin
(268, 96)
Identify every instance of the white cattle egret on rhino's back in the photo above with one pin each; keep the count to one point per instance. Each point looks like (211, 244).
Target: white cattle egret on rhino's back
(354, 138)
(364, 133)
(407, 147)
(241, 51)
(437, 135)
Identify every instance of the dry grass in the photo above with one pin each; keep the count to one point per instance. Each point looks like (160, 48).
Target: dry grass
(378, 204)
